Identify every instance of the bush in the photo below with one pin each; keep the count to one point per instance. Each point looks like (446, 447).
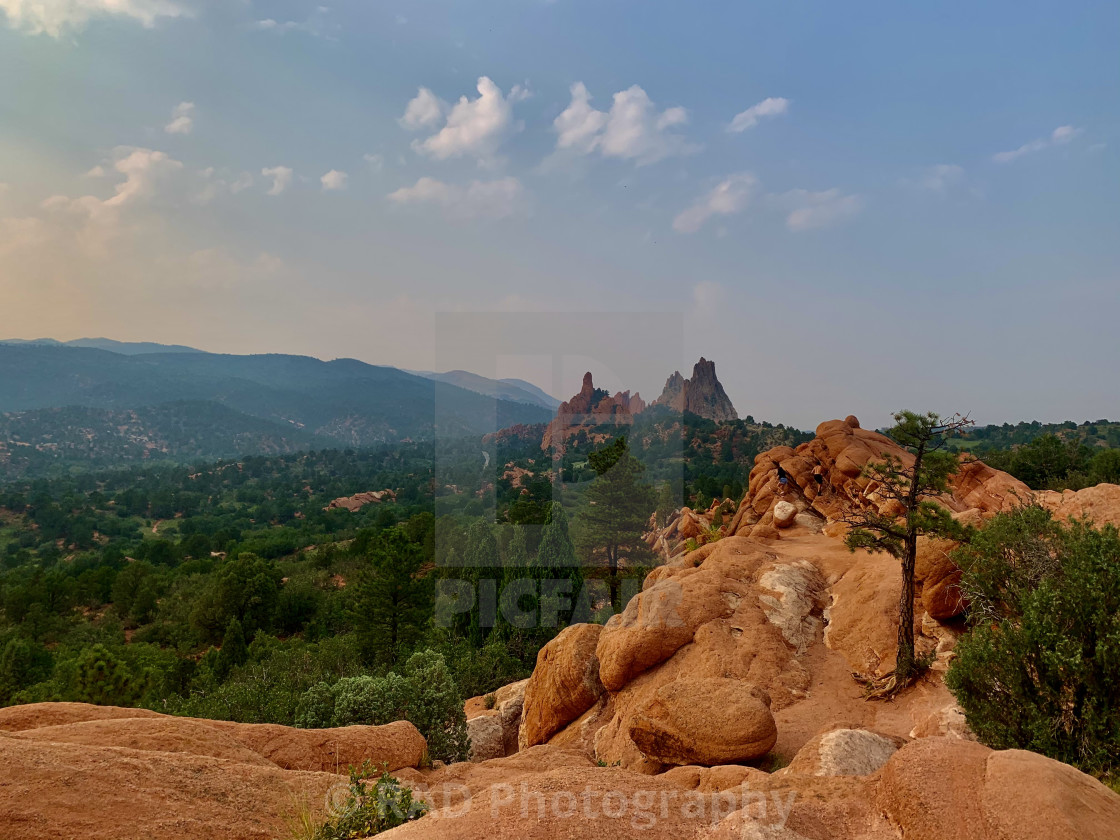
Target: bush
(1040, 669)
(101, 678)
(369, 811)
(426, 695)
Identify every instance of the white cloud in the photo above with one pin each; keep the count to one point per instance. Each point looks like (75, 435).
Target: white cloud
(633, 129)
(729, 196)
(486, 199)
(579, 126)
(376, 162)
(1063, 134)
(58, 17)
(317, 24)
(334, 180)
(281, 178)
(1058, 137)
(142, 168)
(770, 107)
(425, 110)
(241, 182)
(96, 172)
(270, 25)
(818, 209)
(144, 171)
(182, 119)
(474, 127)
(940, 178)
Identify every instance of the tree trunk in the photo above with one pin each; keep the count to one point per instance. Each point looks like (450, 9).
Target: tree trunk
(905, 661)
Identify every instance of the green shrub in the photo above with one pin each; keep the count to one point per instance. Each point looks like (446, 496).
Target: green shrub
(1040, 669)
(371, 809)
(426, 695)
(102, 678)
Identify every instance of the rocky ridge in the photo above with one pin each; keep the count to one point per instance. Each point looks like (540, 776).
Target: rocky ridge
(702, 394)
(593, 407)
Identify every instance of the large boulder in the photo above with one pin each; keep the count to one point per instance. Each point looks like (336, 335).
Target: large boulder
(660, 620)
(705, 721)
(784, 514)
(843, 752)
(733, 610)
(952, 789)
(564, 685)
(487, 741)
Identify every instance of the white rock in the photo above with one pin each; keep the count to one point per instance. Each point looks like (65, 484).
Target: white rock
(784, 514)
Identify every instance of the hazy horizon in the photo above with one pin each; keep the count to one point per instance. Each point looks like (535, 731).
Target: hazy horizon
(572, 380)
(851, 210)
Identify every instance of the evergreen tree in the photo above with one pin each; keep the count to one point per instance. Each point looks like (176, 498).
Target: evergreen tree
(911, 487)
(234, 650)
(20, 663)
(102, 678)
(619, 504)
(557, 561)
(393, 600)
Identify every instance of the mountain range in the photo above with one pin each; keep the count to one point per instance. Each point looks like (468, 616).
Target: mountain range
(223, 405)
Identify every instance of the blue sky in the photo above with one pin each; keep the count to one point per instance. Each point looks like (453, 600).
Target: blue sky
(852, 208)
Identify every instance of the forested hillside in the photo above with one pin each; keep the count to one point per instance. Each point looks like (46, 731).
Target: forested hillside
(225, 405)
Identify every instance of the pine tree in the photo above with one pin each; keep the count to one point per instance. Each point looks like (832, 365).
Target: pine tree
(393, 600)
(912, 487)
(617, 513)
(103, 679)
(234, 650)
(557, 558)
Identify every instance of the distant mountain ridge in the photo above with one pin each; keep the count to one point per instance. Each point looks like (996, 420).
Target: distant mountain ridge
(304, 401)
(516, 390)
(126, 348)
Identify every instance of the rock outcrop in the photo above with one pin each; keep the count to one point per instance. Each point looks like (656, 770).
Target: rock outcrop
(590, 408)
(564, 685)
(950, 789)
(360, 500)
(396, 744)
(105, 773)
(734, 724)
(825, 478)
(703, 394)
(496, 720)
(686, 527)
(824, 481)
(1100, 504)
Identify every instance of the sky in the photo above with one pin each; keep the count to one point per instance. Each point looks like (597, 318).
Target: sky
(852, 208)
